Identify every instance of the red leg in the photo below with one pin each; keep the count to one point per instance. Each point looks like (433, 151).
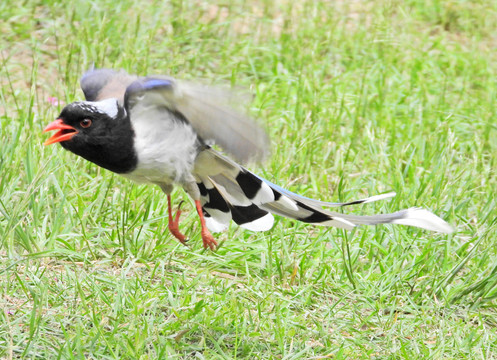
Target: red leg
(207, 237)
(174, 224)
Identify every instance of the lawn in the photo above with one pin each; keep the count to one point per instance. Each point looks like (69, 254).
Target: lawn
(359, 98)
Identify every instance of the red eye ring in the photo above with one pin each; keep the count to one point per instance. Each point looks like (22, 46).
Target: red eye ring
(85, 123)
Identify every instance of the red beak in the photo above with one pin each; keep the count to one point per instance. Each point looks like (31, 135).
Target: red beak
(65, 132)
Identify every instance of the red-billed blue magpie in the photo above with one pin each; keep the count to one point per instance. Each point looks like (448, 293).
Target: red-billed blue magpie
(158, 130)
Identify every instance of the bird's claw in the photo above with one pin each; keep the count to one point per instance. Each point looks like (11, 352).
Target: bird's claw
(208, 240)
(174, 226)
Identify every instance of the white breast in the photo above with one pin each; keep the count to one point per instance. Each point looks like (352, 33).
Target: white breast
(166, 147)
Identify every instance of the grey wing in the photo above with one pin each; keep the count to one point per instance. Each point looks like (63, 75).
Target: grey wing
(101, 84)
(208, 110)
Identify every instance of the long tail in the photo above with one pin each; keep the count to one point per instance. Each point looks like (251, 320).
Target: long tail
(231, 192)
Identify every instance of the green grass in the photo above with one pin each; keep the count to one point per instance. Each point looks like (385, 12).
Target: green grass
(359, 97)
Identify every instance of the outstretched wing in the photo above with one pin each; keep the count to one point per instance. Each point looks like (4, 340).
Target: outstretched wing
(101, 84)
(207, 109)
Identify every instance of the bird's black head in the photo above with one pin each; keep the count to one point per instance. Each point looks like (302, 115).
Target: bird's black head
(98, 131)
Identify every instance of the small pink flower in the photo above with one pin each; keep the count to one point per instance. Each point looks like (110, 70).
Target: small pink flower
(54, 101)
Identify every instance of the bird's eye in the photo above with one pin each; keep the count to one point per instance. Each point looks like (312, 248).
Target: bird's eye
(86, 123)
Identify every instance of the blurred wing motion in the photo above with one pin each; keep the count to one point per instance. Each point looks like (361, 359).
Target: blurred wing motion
(101, 84)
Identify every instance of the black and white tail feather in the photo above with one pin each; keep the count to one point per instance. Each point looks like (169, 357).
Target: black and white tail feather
(234, 193)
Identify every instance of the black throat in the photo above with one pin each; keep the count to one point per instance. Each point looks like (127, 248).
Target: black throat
(112, 147)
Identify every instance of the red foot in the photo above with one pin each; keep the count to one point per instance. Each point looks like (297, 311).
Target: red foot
(208, 240)
(174, 224)
(207, 237)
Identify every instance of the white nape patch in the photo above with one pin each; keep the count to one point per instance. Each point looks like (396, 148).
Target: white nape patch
(424, 219)
(108, 107)
(261, 224)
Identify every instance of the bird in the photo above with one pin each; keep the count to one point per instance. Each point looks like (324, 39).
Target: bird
(164, 131)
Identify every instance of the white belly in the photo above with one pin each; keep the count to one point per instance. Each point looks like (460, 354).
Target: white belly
(166, 150)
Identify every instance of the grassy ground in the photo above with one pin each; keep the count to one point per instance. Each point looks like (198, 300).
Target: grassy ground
(359, 97)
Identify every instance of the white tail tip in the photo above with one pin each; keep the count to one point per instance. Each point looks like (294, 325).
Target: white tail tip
(424, 219)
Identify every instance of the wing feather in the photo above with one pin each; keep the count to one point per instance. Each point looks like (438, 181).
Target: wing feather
(208, 110)
(101, 84)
